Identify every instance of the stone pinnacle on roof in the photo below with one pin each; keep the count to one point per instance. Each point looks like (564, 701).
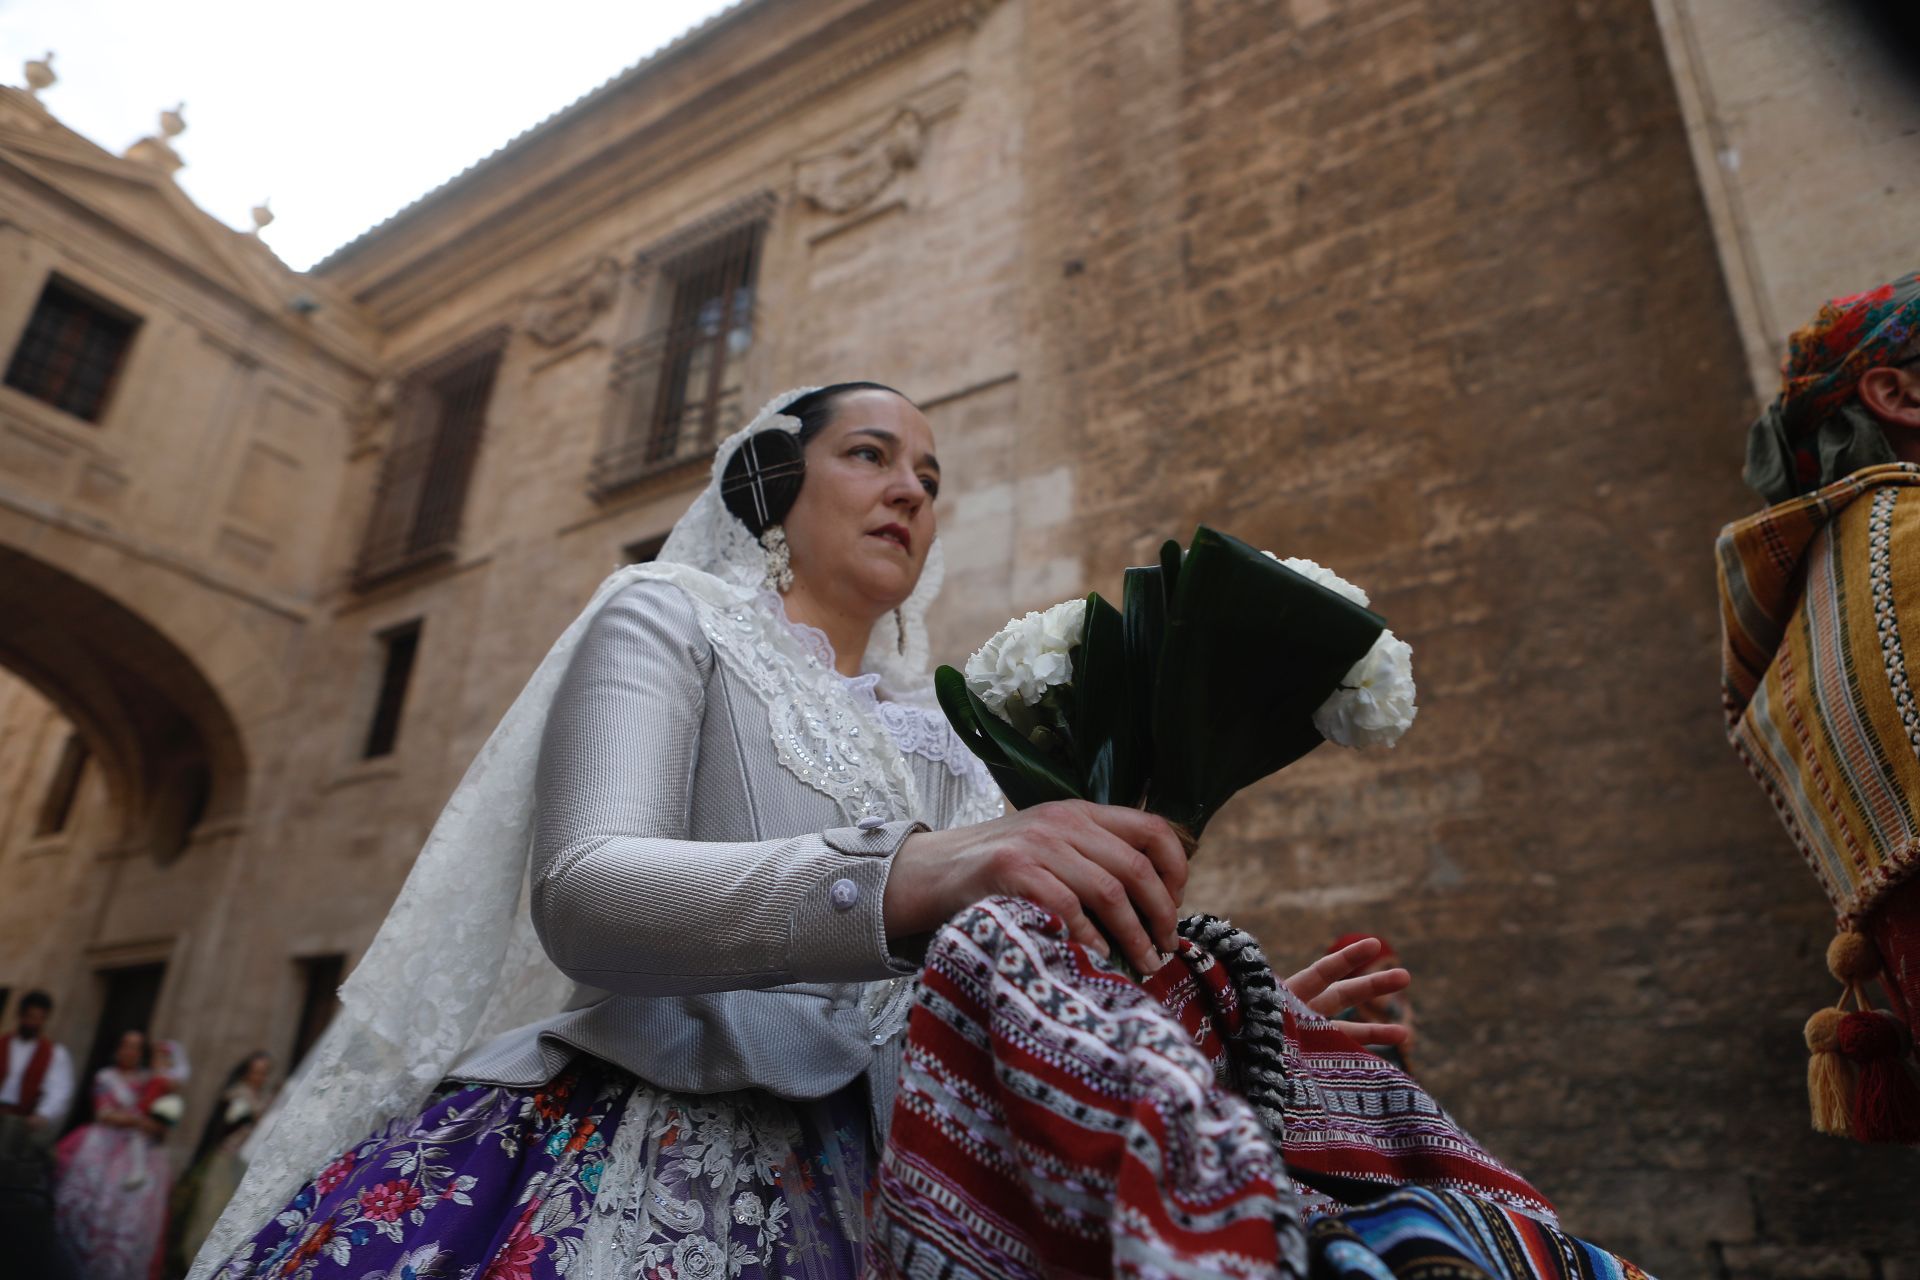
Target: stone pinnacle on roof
(40, 75)
(157, 149)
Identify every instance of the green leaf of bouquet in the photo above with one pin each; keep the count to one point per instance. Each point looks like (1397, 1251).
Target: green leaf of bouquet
(1170, 558)
(1102, 712)
(1038, 780)
(965, 712)
(1144, 619)
(1251, 651)
(950, 687)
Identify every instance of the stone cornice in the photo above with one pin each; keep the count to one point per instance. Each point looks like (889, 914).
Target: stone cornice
(507, 218)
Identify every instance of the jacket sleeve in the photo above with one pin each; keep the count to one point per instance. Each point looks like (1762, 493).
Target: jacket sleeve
(622, 899)
(56, 1091)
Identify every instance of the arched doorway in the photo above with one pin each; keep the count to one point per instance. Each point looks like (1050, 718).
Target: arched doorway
(166, 745)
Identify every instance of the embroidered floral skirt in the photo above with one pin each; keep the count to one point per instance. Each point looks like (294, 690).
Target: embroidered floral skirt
(592, 1175)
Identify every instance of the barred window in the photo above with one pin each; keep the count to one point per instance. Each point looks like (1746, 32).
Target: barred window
(423, 484)
(73, 348)
(677, 387)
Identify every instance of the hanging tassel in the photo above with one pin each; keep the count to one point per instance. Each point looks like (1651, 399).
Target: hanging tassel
(1832, 1081)
(1886, 1102)
(1852, 958)
(1829, 1076)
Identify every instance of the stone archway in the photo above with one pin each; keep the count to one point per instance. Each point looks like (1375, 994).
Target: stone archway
(167, 744)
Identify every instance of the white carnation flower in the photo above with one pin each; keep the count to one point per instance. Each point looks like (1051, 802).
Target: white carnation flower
(1324, 577)
(1374, 705)
(1029, 656)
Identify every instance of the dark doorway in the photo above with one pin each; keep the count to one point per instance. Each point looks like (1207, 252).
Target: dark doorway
(127, 1005)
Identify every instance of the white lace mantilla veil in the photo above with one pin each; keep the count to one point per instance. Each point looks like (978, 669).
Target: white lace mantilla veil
(456, 961)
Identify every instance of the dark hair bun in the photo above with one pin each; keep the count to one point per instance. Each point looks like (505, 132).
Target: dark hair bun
(763, 478)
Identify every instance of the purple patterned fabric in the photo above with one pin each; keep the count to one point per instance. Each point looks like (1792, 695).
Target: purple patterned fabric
(498, 1184)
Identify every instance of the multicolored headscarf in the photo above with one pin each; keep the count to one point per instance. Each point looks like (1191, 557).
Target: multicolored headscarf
(1816, 431)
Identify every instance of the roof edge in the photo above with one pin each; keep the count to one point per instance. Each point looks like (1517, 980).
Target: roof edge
(680, 46)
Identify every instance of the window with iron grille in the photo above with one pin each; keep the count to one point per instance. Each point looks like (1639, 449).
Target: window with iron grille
(678, 387)
(72, 350)
(423, 484)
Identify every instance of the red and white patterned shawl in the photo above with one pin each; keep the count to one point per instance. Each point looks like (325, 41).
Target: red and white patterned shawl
(1055, 1118)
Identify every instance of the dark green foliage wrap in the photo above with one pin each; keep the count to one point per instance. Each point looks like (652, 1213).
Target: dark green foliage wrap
(1203, 682)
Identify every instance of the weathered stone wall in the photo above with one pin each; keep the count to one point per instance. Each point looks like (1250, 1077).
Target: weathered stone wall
(1425, 291)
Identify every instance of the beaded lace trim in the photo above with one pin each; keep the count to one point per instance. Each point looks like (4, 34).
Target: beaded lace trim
(916, 730)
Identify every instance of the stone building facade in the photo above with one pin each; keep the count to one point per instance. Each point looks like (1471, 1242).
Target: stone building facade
(1436, 292)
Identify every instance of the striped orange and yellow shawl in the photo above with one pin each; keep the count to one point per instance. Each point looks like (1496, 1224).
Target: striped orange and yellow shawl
(1819, 608)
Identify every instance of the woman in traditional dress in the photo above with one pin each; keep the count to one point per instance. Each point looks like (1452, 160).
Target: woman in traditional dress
(214, 1172)
(110, 1188)
(737, 812)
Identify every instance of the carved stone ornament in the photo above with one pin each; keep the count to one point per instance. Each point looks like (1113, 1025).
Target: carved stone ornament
(372, 413)
(563, 314)
(157, 149)
(844, 180)
(40, 75)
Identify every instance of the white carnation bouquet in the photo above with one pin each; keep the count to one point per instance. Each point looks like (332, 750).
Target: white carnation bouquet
(1223, 665)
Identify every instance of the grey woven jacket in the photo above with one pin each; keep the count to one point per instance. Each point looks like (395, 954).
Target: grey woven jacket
(716, 911)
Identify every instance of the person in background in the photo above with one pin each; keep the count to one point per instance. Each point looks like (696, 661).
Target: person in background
(110, 1186)
(214, 1173)
(36, 1088)
(1387, 1001)
(1819, 609)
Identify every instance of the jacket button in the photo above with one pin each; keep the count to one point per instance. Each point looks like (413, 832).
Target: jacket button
(844, 894)
(871, 823)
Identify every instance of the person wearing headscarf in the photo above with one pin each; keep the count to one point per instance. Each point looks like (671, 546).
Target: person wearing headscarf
(739, 813)
(216, 1167)
(112, 1176)
(1820, 610)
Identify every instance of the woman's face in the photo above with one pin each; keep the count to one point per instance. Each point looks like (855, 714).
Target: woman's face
(257, 1068)
(859, 532)
(127, 1054)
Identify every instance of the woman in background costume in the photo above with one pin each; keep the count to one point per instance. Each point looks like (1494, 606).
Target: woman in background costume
(214, 1172)
(111, 1184)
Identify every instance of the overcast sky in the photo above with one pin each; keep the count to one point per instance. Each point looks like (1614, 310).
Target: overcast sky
(341, 112)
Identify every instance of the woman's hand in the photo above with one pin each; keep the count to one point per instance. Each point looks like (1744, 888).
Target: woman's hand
(1081, 861)
(1326, 987)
